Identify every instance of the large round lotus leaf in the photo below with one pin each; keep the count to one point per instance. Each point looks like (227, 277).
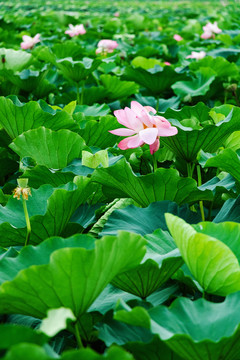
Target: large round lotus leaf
(16, 117)
(165, 184)
(134, 218)
(212, 262)
(49, 209)
(196, 132)
(72, 278)
(227, 232)
(200, 329)
(195, 330)
(53, 149)
(77, 70)
(156, 268)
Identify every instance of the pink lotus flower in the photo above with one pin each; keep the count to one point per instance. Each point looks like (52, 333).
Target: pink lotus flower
(106, 46)
(145, 128)
(29, 42)
(210, 30)
(167, 63)
(196, 55)
(75, 30)
(117, 14)
(177, 37)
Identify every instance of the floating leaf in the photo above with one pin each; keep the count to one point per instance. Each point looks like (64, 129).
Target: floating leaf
(53, 149)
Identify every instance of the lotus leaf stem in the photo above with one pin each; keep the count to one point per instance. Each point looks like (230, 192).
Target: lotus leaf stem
(78, 337)
(24, 202)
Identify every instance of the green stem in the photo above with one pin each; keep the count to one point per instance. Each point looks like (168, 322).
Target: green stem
(225, 97)
(154, 163)
(189, 170)
(199, 175)
(78, 337)
(27, 221)
(157, 104)
(78, 94)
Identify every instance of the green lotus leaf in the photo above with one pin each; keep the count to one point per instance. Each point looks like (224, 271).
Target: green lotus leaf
(113, 353)
(16, 118)
(56, 284)
(145, 63)
(41, 175)
(193, 329)
(225, 53)
(27, 352)
(95, 110)
(16, 60)
(53, 149)
(49, 211)
(156, 268)
(156, 80)
(213, 262)
(146, 278)
(198, 86)
(229, 211)
(12, 334)
(221, 66)
(96, 132)
(227, 160)
(165, 184)
(117, 89)
(154, 350)
(27, 80)
(206, 137)
(32, 255)
(233, 141)
(134, 218)
(77, 71)
(94, 160)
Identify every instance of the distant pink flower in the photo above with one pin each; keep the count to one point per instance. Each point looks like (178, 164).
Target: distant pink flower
(145, 127)
(29, 42)
(106, 46)
(167, 63)
(210, 30)
(196, 55)
(177, 37)
(117, 14)
(75, 30)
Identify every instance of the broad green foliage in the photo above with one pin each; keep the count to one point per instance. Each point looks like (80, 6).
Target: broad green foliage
(17, 118)
(198, 132)
(210, 254)
(120, 181)
(127, 246)
(53, 149)
(58, 280)
(215, 336)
